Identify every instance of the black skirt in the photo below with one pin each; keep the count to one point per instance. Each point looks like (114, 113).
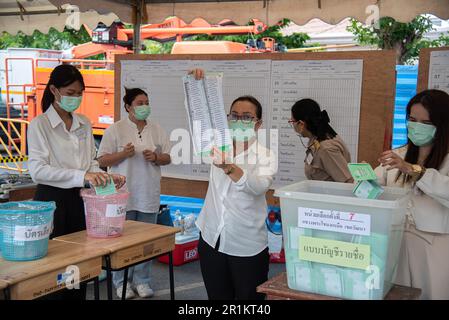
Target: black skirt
(69, 215)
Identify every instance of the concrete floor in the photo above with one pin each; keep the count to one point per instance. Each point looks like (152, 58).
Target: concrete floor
(188, 282)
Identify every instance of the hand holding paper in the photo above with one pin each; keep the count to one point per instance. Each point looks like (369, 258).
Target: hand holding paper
(198, 74)
(115, 182)
(220, 159)
(119, 180)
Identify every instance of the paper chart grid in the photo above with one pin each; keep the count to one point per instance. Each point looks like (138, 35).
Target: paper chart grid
(335, 85)
(439, 70)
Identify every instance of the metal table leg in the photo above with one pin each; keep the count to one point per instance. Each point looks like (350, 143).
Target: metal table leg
(97, 288)
(125, 283)
(107, 258)
(7, 293)
(172, 280)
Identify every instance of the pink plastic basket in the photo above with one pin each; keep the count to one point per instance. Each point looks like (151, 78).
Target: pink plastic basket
(105, 215)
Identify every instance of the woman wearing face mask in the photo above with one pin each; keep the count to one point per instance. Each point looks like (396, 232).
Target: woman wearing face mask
(423, 166)
(137, 148)
(62, 154)
(233, 246)
(327, 156)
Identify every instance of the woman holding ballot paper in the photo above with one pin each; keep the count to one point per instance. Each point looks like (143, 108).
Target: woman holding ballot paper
(327, 156)
(423, 166)
(137, 148)
(233, 246)
(62, 154)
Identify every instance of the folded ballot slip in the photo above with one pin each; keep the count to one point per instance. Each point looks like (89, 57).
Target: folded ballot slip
(368, 189)
(362, 171)
(106, 190)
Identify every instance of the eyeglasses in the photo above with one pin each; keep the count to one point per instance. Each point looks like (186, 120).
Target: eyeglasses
(292, 123)
(245, 118)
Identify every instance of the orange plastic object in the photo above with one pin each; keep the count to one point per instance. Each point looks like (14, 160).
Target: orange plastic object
(192, 47)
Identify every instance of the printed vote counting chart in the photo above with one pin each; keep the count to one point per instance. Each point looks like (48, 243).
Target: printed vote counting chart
(439, 70)
(334, 84)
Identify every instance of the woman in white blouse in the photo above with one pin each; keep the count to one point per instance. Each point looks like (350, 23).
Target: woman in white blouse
(233, 246)
(62, 152)
(137, 147)
(423, 166)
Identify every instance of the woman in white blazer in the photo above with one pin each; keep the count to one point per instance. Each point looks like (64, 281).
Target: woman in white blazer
(423, 166)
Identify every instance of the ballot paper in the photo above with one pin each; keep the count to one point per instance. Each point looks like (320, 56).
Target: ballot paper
(106, 190)
(368, 189)
(206, 114)
(361, 171)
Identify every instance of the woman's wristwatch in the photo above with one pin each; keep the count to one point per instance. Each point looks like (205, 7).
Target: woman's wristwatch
(417, 172)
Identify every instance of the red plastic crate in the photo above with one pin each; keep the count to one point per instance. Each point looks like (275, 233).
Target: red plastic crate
(184, 252)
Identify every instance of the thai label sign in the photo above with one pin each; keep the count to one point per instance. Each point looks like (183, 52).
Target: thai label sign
(32, 233)
(336, 221)
(333, 252)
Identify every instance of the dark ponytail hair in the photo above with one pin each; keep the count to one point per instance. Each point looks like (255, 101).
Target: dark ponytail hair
(317, 121)
(61, 76)
(131, 94)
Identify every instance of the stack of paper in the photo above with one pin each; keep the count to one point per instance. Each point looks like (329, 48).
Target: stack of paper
(206, 114)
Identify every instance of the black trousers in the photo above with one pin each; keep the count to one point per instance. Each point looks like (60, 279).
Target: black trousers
(68, 218)
(229, 277)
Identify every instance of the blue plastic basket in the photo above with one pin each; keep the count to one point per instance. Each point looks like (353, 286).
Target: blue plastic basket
(26, 227)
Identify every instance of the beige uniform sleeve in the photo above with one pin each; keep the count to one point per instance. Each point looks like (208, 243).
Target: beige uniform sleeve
(335, 164)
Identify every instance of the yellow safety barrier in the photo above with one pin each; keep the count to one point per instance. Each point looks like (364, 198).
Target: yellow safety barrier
(16, 155)
(13, 159)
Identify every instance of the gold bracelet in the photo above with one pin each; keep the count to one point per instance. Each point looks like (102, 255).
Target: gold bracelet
(423, 171)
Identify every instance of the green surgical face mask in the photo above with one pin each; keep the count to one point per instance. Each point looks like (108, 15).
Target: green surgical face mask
(69, 103)
(142, 112)
(420, 134)
(241, 131)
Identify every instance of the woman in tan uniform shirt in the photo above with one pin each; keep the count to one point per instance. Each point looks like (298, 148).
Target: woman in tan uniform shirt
(327, 156)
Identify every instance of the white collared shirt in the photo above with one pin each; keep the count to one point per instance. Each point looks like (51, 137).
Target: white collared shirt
(58, 157)
(143, 178)
(236, 211)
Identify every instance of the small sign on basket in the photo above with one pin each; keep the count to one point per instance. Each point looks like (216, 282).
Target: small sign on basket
(115, 211)
(32, 233)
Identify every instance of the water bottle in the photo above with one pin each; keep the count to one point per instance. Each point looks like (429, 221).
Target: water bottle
(179, 222)
(189, 223)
